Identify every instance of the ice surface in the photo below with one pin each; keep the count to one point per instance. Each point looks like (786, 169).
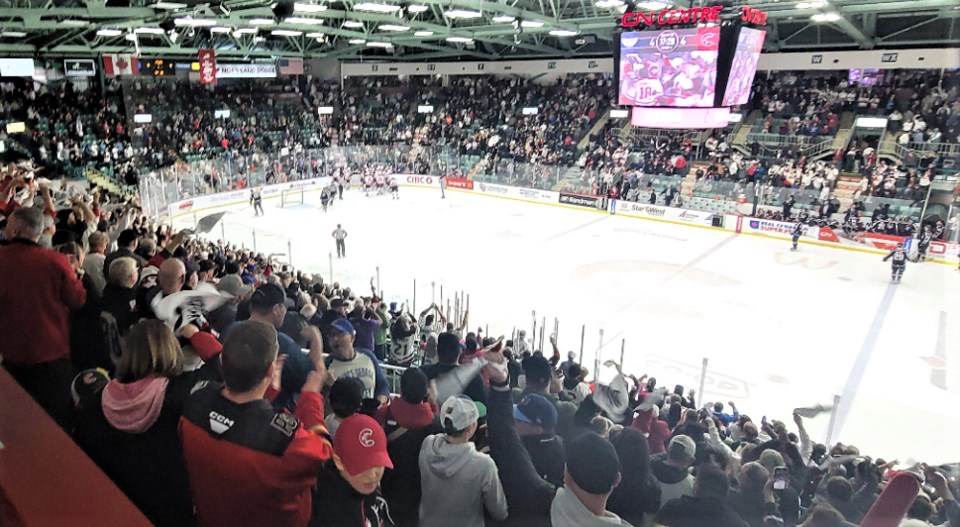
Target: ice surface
(780, 329)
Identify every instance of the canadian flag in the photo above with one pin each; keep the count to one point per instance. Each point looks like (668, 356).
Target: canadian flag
(114, 65)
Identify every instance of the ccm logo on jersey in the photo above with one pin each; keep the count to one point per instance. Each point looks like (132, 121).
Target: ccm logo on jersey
(220, 423)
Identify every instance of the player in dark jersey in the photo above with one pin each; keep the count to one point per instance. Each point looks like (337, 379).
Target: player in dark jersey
(394, 188)
(795, 235)
(923, 242)
(899, 256)
(324, 199)
(257, 201)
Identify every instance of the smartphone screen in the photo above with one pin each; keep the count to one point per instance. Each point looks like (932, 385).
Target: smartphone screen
(780, 478)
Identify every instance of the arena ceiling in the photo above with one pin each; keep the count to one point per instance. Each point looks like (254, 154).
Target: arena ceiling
(430, 29)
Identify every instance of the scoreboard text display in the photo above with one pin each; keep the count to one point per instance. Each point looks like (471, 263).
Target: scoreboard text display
(158, 67)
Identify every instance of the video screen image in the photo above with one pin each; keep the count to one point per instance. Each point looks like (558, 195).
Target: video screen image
(744, 67)
(669, 68)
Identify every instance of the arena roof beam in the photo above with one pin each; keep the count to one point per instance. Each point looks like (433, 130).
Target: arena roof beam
(843, 24)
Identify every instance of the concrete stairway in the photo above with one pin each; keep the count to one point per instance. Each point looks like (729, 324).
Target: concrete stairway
(847, 184)
(601, 122)
(740, 139)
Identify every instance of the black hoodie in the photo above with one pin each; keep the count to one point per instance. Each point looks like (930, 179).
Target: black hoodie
(336, 504)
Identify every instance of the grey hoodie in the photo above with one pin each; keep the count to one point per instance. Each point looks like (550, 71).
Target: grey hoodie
(457, 483)
(567, 511)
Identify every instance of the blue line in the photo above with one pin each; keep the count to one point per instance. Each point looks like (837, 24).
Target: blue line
(863, 358)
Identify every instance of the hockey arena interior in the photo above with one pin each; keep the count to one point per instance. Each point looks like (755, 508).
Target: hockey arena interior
(401, 263)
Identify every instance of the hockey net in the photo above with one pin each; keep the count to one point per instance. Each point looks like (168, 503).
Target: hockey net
(291, 197)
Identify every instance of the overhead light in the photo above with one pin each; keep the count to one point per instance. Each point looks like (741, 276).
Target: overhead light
(174, 36)
(825, 17)
(423, 34)
(220, 29)
(194, 22)
(651, 5)
(246, 31)
(352, 23)
(379, 45)
(376, 7)
(504, 19)
(109, 32)
(531, 23)
(14, 34)
(259, 39)
(303, 20)
(462, 13)
(309, 8)
(564, 33)
(315, 34)
(260, 21)
(459, 40)
(131, 37)
(417, 8)
(74, 23)
(149, 31)
(286, 33)
(814, 4)
(356, 41)
(392, 27)
(609, 4)
(169, 5)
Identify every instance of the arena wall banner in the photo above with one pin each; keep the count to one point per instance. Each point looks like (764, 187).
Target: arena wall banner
(887, 242)
(416, 180)
(587, 202)
(776, 229)
(518, 193)
(459, 183)
(643, 210)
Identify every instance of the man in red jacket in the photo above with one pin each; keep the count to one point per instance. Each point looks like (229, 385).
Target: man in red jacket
(249, 464)
(38, 288)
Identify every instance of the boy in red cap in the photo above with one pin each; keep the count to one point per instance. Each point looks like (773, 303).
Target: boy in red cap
(348, 490)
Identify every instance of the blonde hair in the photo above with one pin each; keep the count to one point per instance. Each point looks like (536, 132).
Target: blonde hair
(121, 269)
(151, 349)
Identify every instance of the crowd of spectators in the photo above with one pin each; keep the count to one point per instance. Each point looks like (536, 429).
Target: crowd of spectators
(215, 386)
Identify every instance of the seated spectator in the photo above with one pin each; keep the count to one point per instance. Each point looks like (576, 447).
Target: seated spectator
(672, 468)
(407, 420)
(706, 508)
(131, 432)
(348, 490)
(46, 286)
(230, 433)
(458, 483)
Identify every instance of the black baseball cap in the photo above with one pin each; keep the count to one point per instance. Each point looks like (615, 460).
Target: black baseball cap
(267, 295)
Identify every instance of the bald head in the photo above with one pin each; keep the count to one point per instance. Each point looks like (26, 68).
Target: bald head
(171, 275)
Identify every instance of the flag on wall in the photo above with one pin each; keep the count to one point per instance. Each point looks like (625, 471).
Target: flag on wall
(115, 65)
(291, 67)
(208, 66)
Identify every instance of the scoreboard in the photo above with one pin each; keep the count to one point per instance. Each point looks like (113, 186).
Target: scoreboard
(158, 67)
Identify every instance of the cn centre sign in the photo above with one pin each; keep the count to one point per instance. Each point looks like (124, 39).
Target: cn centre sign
(668, 17)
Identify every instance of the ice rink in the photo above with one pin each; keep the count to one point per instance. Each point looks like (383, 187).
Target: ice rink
(779, 329)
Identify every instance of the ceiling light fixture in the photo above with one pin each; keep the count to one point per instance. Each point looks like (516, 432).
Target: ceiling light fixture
(564, 33)
(352, 23)
(246, 31)
(609, 4)
(531, 23)
(393, 27)
(504, 19)
(303, 20)
(356, 41)
(815, 4)
(14, 34)
(376, 8)
(423, 34)
(194, 22)
(417, 8)
(315, 34)
(169, 5)
(286, 33)
(220, 29)
(379, 45)
(74, 23)
(825, 17)
(460, 40)
(149, 31)
(652, 5)
(462, 13)
(109, 32)
(260, 21)
(309, 8)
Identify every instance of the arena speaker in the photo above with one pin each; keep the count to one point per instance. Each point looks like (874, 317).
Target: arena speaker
(282, 10)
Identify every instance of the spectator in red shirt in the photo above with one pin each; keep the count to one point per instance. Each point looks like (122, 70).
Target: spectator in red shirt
(39, 287)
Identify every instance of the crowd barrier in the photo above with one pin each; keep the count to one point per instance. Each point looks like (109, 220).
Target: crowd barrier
(939, 252)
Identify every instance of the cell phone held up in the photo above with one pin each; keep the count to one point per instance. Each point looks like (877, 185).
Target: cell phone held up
(781, 478)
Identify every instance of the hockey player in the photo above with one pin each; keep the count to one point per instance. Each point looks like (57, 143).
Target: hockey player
(900, 258)
(923, 242)
(367, 184)
(257, 201)
(795, 235)
(394, 188)
(381, 183)
(324, 199)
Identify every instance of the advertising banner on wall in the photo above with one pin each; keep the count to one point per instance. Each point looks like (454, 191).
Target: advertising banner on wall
(588, 202)
(246, 71)
(462, 184)
(643, 210)
(416, 180)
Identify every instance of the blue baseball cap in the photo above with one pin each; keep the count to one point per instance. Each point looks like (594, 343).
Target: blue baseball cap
(536, 410)
(342, 325)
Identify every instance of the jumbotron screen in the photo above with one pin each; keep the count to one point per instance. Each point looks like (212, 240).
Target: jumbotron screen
(672, 67)
(744, 68)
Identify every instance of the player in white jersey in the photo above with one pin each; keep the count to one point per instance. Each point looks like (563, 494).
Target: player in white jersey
(367, 184)
(381, 183)
(394, 188)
